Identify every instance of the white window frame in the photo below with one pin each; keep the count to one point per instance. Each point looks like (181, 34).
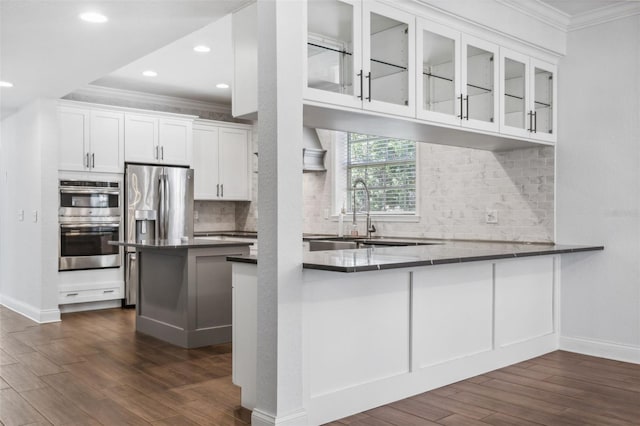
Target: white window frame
(339, 184)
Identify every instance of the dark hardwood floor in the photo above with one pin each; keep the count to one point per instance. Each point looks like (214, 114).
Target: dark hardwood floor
(93, 368)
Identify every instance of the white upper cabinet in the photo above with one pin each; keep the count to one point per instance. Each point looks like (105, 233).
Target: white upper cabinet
(457, 78)
(90, 140)
(221, 162)
(175, 141)
(160, 140)
(438, 83)
(360, 55)
(527, 102)
(233, 164)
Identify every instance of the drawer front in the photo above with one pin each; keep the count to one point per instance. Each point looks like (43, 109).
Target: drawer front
(94, 295)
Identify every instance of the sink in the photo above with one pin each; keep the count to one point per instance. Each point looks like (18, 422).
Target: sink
(346, 243)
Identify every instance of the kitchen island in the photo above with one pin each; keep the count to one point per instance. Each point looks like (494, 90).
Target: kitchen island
(382, 324)
(184, 294)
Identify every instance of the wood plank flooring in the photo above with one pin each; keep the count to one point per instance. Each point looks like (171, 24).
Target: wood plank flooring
(93, 368)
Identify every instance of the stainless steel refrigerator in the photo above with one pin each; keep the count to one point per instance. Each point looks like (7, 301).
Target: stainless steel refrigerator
(159, 207)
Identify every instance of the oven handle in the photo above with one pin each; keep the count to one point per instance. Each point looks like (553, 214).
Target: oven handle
(89, 225)
(90, 191)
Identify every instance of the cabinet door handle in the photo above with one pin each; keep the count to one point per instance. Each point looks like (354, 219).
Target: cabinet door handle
(217, 190)
(369, 77)
(71, 294)
(86, 160)
(93, 160)
(361, 86)
(162, 152)
(108, 291)
(460, 99)
(466, 100)
(530, 114)
(535, 121)
(157, 157)
(222, 190)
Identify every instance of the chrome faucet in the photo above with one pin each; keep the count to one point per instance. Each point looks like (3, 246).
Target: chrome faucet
(370, 227)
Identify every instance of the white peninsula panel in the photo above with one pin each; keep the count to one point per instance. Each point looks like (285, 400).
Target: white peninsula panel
(357, 330)
(452, 312)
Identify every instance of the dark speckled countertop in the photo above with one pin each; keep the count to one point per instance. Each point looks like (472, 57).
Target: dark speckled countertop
(437, 252)
(180, 244)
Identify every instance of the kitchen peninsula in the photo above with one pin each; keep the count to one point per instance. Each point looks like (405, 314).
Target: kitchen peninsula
(184, 293)
(381, 324)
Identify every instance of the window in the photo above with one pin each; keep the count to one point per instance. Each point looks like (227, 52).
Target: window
(387, 166)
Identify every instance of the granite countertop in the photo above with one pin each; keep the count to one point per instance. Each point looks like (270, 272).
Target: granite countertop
(244, 234)
(444, 251)
(180, 244)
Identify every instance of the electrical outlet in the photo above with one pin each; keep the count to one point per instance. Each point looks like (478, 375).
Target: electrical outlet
(196, 216)
(20, 215)
(491, 216)
(326, 213)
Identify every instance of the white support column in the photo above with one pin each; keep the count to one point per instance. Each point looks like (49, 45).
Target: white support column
(279, 366)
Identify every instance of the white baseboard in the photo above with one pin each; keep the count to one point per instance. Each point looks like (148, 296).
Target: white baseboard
(601, 349)
(38, 315)
(260, 418)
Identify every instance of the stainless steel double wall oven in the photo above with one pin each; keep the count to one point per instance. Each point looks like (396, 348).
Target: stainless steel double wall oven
(89, 216)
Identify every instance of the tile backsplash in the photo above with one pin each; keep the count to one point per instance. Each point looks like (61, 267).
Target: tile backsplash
(456, 188)
(214, 216)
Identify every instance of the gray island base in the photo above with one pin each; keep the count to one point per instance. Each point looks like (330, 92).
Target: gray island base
(184, 294)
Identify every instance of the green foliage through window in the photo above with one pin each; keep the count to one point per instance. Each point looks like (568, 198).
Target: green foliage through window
(388, 166)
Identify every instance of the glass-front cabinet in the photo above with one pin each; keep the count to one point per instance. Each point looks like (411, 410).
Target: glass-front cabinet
(527, 101)
(360, 54)
(334, 54)
(457, 77)
(438, 82)
(479, 101)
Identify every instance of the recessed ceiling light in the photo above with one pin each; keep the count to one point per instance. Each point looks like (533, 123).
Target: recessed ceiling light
(150, 73)
(202, 49)
(5, 84)
(222, 86)
(93, 17)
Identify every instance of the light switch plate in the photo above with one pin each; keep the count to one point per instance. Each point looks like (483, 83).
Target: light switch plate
(34, 216)
(491, 216)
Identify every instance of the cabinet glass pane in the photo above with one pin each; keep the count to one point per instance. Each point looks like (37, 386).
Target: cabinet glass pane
(543, 101)
(438, 67)
(515, 111)
(389, 60)
(330, 46)
(480, 84)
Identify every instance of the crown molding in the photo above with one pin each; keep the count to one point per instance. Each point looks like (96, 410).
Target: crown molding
(540, 11)
(604, 14)
(130, 95)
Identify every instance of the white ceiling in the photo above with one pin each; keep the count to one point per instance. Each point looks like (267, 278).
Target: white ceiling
(181, 71)
(46, 51)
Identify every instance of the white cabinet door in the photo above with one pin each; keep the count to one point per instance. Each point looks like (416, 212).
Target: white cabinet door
(515, 103)
(107, 141)
(205, 163)
(234, 164)
(438, 64)
(74, 138)
(333, 69)
(480, 84)
(388, 60)
(543, 98)
(175, 141)
(141, 136)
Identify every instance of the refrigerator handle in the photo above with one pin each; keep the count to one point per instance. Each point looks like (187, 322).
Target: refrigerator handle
(161, 188)
(166, 205)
